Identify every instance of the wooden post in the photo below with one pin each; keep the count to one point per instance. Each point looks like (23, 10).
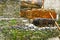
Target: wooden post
(32, 1)
(23, 0)
(43, 4)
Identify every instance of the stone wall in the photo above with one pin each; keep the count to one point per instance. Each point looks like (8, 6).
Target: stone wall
(52, 4)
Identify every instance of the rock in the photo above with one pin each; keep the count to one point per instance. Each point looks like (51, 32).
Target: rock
(54, 38)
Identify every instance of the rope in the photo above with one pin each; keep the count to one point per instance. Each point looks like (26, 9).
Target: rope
(55, 21)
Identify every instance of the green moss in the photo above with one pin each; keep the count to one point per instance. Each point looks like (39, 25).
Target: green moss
(58, 22)
(13, 22)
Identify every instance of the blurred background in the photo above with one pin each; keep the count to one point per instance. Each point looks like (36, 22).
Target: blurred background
(15, 27)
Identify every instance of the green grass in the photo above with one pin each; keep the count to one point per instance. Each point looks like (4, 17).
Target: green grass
(21, 34)
(58, 21)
